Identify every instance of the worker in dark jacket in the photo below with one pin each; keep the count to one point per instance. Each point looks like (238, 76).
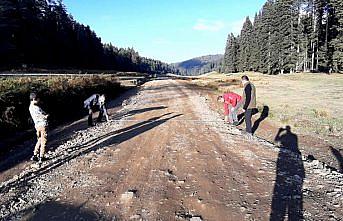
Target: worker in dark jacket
(94, 103)
(249, 102)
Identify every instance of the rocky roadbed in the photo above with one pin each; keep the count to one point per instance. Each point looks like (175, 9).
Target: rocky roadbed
(174, 161)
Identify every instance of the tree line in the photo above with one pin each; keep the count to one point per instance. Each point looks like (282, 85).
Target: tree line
(289, 36)
(41, 34)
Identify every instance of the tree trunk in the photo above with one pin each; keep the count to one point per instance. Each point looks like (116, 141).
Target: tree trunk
(314, 22)
(305, 59)
(312, 57)
(317, 59)
(298, 65)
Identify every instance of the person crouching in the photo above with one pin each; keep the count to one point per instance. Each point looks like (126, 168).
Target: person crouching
(232, 102)
(102, 108)
(40, 119)
(94, 103)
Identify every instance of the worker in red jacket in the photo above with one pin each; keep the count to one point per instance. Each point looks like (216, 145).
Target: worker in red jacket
(232, 102)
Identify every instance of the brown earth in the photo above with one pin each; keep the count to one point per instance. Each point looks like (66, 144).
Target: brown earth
(167, 156)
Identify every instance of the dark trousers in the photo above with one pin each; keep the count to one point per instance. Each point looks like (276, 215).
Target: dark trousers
(102, 112)
(90, 117)
(248, 123)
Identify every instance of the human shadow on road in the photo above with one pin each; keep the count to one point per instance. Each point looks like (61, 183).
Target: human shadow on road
(339, 158)
(83, 125)
(56, 211)
(58, 137)
(109, 139)
(241, 117)
(287, 202)
(263, 116)
(135, 112)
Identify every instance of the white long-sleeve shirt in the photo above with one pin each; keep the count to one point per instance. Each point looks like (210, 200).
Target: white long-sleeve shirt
(38, 115)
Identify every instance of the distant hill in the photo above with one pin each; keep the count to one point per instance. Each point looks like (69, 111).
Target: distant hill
(200, 65)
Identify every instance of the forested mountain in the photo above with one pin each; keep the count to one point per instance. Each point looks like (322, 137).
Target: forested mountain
(41, 34)
(289, 36)
(200, 65)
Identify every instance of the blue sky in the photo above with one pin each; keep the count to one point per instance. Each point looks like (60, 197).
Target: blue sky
(167, 30)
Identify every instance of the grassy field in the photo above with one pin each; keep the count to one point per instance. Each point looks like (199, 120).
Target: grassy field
(310, 103)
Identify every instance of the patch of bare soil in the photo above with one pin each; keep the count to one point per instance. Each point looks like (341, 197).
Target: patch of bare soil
(166, 155)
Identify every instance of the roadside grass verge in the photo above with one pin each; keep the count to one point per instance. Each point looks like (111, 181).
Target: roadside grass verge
(310, 103)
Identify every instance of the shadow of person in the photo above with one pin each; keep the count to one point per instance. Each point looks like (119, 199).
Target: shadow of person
(112, 138)
(241, 117)
(339, 158)
(54, 211)
(287, 202)
(263, 116)
(137, 111)
(57, 137)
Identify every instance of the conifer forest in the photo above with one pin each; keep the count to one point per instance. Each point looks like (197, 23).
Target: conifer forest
(288, 36)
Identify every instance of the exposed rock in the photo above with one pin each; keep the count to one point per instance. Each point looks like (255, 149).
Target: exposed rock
(196, 218)
(128, 196)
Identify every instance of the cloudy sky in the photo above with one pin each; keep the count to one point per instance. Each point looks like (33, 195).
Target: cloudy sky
(168, 30)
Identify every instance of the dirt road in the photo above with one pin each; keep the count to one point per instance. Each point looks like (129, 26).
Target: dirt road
(167, 156)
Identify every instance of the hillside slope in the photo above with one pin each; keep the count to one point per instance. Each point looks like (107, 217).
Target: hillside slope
(200, 65)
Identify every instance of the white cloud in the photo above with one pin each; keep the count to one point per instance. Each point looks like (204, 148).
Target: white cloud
(208, 25)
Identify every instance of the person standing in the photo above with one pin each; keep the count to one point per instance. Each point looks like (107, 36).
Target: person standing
(249, 102)
(40, 119)
(231, 104)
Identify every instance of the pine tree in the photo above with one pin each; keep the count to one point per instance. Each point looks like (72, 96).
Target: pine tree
(230, 56)
(293, 35)
(275, 38)
(256, 41)
(323, 57)
(318, 41)
(9, 28)
(245, 46)
(286, 36)
(266, 30)
(41, 33)
(337, 41)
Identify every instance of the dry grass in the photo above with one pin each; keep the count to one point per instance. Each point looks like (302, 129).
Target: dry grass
(311, 103)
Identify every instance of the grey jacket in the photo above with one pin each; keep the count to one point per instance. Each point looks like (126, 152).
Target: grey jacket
(91, 101)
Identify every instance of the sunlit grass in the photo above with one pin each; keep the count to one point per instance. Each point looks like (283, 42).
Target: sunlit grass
(311, 103)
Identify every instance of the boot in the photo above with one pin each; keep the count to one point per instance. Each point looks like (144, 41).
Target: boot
(34, 158)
